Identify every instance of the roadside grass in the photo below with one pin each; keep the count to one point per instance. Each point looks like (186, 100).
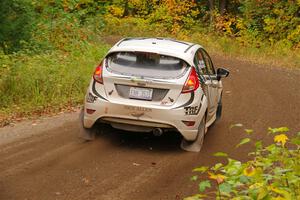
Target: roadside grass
(34, 84)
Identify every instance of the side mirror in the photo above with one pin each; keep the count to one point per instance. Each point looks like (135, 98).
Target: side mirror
(222, 73)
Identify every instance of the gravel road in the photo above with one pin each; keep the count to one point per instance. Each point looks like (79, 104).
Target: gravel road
(44, 159)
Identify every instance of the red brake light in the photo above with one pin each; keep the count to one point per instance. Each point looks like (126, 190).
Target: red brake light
(98, 74)
(90, 111)
(192, 83)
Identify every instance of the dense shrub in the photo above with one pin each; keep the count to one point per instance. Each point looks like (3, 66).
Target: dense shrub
(276, 20)
(17, 22)
(272, 173)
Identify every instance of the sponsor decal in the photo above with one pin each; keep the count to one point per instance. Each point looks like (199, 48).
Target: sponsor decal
(164, 103)
(192, 110)
(137, 108)
(90, 98)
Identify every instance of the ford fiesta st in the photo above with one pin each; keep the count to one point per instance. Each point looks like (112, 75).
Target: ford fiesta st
(155, 85)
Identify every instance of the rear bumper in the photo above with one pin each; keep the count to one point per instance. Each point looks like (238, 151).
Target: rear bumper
(146, 116)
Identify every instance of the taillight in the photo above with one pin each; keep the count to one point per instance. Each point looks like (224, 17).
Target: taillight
(90, 111)
(98, 74)
(192, 83)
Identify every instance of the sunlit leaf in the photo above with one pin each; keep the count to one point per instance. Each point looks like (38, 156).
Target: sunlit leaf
(278, 130)
(194, 178)
(203, 185)
(225, 188)
(221, 154)
(249, 131)
(217, 166)
(282, 138)
(271, 147)
(218, 177)
(249, 171)
(243, 141)
(196, 197)
(285, 194)
(235, 125)
(244, 179)
(200, 169)
(263, 192)
(258, 145)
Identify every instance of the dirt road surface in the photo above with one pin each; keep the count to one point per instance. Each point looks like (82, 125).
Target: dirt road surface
(44, 159)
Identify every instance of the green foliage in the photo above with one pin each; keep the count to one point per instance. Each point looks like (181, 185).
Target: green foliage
(272, 173)
(17, 22)
(274, 20)
(203, 185)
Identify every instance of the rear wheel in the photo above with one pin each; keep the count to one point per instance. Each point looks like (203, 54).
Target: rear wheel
(196, 145)
(85, 133)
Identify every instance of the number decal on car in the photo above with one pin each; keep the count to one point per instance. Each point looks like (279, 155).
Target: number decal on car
(192, 110)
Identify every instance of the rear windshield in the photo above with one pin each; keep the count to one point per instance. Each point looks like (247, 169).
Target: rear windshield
(146, 64)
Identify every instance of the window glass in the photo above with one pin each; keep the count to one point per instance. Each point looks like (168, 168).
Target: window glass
(146, 64)
(208, 63)
(199, 63)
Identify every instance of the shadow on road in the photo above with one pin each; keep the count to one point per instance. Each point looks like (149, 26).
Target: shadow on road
(167, 142)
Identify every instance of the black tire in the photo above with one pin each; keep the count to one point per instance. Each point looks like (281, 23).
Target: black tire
(219, 109)
(196, 145)
(87, 134)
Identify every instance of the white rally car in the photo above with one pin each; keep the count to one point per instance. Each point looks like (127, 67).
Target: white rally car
(155, 85)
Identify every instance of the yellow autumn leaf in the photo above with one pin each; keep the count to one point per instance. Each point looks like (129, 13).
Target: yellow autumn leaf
(282, 138)
(218, 177)
(285, 194)
(256, 185)
(249, 171)
(278, 198)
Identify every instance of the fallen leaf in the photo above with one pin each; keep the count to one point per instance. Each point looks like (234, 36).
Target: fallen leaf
(136, 164)
(85, 181)
(243, 141)
(235, 125)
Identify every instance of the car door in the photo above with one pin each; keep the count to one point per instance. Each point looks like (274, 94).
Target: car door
(205, 79)
(212, 84)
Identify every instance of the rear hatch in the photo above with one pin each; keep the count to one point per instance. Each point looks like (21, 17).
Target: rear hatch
(144, 77)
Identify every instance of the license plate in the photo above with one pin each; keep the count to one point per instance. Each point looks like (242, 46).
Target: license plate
(140, 93)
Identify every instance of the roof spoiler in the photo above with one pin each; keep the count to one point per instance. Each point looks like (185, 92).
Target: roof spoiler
(158, 38)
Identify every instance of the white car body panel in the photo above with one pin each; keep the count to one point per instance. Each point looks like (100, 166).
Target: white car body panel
(167, 113)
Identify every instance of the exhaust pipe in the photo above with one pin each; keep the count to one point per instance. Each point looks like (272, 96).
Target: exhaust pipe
(157, 132)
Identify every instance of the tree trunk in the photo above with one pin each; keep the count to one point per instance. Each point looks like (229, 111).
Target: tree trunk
(211, 4)
(2, 44)
(223, 6)
(126, 12)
